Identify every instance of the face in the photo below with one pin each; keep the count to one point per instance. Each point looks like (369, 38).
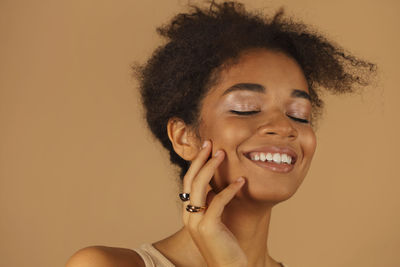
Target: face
(259, 113)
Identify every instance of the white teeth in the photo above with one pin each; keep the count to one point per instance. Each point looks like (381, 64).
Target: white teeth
(284, 158)
(276, 158)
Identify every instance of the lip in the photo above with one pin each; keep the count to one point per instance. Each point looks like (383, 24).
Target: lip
(282, 168)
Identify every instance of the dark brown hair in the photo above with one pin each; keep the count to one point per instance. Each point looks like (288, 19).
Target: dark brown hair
(179, 73)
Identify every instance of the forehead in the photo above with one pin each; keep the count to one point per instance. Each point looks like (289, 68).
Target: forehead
(270, 68)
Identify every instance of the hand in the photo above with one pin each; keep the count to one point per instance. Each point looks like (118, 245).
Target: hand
(215, 241)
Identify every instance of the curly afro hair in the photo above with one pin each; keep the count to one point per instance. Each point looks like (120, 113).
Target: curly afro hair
(202, 42)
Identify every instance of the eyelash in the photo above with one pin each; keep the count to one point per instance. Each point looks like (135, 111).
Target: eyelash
(244, 113)
(247, 113)
(298, 119)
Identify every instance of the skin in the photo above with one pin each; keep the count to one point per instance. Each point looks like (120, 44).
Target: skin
(233, 230)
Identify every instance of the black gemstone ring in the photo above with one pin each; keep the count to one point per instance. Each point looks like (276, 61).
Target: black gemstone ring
(184, 196)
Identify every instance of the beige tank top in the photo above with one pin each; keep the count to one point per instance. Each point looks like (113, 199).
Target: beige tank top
(153, 258)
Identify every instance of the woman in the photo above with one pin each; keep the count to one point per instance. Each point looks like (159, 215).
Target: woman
(234, 98)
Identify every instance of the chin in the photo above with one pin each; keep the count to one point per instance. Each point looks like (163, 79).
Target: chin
(268, 188)
(269, 192)
(268, 196)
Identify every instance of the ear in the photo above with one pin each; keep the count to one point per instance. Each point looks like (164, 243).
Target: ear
(183, 138)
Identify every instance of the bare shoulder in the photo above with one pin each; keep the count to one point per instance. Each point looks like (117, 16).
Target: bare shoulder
(100, 256)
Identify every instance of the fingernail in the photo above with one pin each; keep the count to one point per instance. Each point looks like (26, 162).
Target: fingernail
(217, 153)
(239, 180)
(205, 143)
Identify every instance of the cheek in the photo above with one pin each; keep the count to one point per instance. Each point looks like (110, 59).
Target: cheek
(227, 134)
(309, 144)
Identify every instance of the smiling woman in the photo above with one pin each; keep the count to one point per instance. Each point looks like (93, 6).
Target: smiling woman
(234, 98)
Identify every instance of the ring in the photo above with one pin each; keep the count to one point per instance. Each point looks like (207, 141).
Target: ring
(184, 196)
(191, 208)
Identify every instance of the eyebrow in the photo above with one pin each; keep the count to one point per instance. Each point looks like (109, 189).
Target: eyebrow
(300, 94)
(254, 87)
(258, 88)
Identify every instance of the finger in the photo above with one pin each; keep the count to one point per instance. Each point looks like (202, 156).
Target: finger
(196, 165)
(217, 205)
(194, 169)
(210, 196)
(200, 183)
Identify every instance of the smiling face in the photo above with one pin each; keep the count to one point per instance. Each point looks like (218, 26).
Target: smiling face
(258, 113)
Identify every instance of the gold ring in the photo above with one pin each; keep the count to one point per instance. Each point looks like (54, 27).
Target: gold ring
(191, 208)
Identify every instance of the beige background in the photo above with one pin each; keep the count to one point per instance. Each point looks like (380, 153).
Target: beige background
(79, 168)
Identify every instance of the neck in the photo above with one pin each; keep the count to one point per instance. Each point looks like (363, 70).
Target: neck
(249, 222)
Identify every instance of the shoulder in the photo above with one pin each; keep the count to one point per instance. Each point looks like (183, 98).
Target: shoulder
(100, 256)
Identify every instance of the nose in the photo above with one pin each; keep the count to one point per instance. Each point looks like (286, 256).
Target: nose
(278, 124)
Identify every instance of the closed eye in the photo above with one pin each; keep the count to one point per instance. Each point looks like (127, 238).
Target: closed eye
(244, 113)
(252, 112)
(298, 119)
